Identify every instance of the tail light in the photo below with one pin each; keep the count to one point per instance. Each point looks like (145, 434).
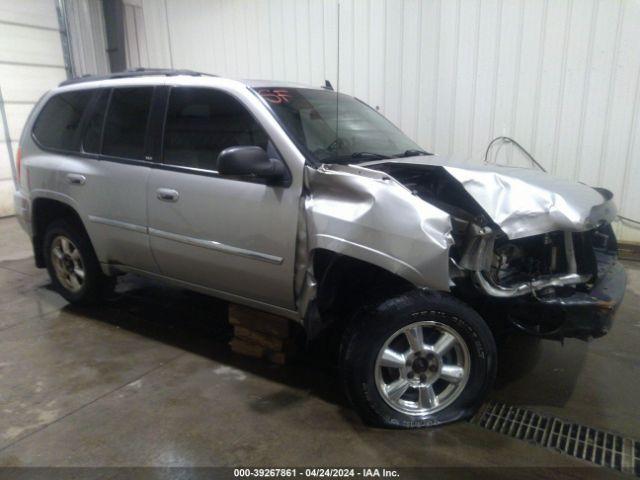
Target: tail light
(18, 163)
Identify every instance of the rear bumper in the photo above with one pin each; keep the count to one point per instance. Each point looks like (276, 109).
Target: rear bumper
(581, 314)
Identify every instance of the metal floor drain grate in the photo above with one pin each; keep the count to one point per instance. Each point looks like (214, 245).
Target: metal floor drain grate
(603, 448)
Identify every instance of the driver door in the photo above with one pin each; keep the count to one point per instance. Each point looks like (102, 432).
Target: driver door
(226, 234)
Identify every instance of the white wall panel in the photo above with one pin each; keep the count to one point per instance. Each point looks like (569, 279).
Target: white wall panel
(37, 13)
(5, 164)
(31, 62)
(28, 83)
(155, 17)
(30, 45)
(17, 114)
(560, 76)
(88, 37)
(6, 197)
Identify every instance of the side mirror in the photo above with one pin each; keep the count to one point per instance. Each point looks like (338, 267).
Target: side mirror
(251, 162)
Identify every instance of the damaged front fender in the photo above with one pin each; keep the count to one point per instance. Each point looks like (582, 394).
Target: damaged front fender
(367, 215)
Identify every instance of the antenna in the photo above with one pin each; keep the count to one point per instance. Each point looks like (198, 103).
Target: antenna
(338, 83)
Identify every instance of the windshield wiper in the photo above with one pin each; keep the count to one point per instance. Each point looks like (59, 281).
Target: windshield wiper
(368, 155)
(355, 155)
(412, 153)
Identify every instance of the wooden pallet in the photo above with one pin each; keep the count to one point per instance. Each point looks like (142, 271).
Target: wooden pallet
(261, 335)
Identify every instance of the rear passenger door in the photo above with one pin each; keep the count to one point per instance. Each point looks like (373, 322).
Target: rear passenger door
(97, 140)
(117, 134)
(227, 234)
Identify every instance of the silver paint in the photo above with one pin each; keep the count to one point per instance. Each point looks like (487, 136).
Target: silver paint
(525, 202)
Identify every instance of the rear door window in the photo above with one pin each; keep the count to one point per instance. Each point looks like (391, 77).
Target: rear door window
(126, 122)
(58, 125)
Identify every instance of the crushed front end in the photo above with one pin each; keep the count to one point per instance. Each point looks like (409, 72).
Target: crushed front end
(556, 285)
(531, 252)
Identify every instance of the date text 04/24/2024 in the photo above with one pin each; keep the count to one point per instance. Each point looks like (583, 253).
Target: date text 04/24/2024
(315, 472)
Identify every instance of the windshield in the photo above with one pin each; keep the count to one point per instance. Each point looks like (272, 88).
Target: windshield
(356, 132)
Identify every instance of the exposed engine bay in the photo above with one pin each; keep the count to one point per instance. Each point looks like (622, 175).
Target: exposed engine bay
(538, 269)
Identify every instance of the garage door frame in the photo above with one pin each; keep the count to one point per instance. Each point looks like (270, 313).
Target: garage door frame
(36, 56)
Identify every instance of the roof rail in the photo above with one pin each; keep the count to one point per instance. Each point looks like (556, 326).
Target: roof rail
(137, 72)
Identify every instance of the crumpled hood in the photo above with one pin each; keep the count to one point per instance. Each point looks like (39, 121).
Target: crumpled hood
(525, 202)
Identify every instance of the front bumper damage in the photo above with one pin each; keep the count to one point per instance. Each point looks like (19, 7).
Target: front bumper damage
(583, 314)
(537, 248)
(577, 298)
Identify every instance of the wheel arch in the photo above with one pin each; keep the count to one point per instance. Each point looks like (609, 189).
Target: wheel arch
(45, 210)
(370, 256)
(345, 283)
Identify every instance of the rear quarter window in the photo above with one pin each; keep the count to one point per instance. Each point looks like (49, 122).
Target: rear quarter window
(58, 124)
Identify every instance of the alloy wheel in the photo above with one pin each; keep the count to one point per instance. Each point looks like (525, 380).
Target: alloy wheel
(67, 263)
(422, 368)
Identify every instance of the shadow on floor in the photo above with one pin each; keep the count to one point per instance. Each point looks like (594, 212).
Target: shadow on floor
(538, 372)
(197, 323)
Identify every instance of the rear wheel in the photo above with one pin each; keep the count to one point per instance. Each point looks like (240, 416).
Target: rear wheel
(72, 264)
(421, 359)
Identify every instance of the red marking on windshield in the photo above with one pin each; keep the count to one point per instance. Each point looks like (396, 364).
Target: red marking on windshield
(278, 95)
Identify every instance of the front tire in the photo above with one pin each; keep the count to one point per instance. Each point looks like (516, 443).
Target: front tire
(418, 360)
(72, 264)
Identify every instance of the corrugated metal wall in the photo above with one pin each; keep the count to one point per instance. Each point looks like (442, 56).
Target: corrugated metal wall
(88, 37)
(560, 76)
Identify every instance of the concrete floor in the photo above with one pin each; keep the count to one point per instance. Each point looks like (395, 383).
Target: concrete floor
(147, 380)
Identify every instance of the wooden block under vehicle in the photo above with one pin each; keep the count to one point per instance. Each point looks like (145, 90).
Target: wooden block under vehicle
(248, 349)
(259, 321)
(270, 342)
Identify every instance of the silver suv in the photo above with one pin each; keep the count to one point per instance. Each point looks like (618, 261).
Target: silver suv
(309, 204)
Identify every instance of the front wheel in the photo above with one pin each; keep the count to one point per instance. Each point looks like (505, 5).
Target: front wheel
(417, 360)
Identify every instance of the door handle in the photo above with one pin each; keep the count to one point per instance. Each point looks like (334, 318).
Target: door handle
(167, 194)
(76, 178)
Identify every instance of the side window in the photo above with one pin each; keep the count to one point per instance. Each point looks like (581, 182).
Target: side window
(126, 122)
(201, 122)
(58, 125)
(93, 133)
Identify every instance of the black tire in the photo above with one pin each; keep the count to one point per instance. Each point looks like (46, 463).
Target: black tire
(372, 327)
(95, 284)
